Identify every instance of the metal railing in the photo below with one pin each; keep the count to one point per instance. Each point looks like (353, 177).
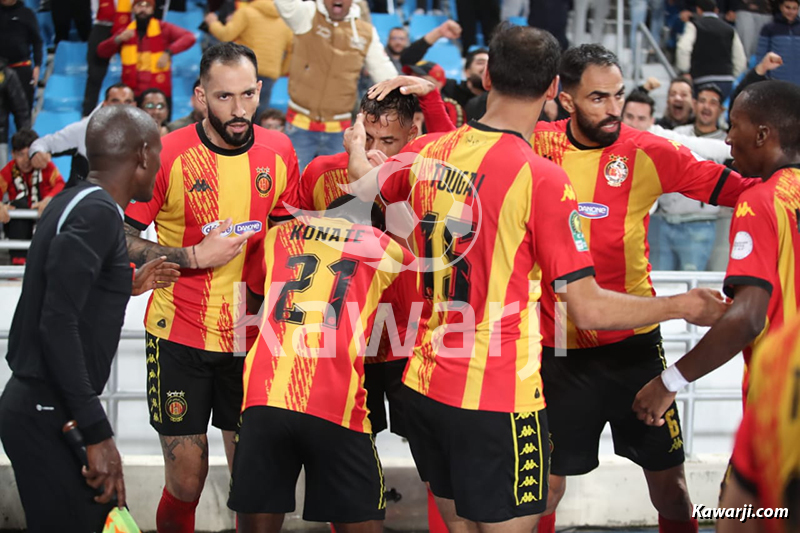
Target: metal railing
(690, 396)
(640, 57)
(15, 244)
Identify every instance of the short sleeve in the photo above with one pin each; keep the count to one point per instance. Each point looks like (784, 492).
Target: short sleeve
(560, 246)
(753, 244)
(141, 214)
(395, 176)
(288, 200)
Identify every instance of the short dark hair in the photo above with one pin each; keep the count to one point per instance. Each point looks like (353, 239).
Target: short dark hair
(640, 97)
(781, 2)
(119, 85)
(577, 59)
(23, 139)
(272, 113)
(394, 102)
(358, 211)
(776, 104)
(523, 61)
(681, 79)
(226, 53)
(707, 6)
(148, 92)
(471, 56)
(401, 28)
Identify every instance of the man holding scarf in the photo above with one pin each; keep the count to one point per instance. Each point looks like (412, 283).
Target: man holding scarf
(145, 46)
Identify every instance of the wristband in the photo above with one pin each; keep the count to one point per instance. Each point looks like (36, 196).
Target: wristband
(194, 254)
(672, 379)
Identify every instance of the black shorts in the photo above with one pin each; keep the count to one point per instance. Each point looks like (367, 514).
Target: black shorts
(344, 478)
(493, 465)
(185, 384)
(385, 380)
(594, 386)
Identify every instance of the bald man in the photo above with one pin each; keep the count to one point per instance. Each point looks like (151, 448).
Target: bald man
(67, 325)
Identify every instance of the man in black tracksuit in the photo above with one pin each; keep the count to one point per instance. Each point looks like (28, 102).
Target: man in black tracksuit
(66, 328)
(21, 40)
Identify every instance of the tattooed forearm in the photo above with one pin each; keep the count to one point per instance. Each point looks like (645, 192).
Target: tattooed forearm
(168, 445)
(141, 250)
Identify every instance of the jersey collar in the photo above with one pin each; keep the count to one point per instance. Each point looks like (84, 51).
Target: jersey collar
(483, 127)
(223, 151)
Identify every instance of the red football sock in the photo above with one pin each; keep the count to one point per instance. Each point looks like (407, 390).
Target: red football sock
(665, 525)
(333, 529)
(547, 523)
(435, 522)
(174, 515)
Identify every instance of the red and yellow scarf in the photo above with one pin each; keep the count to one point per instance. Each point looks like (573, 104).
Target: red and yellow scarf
(141, 64)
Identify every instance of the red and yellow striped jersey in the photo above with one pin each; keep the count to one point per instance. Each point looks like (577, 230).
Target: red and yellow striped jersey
(766, 457)
(765, 241)
(197, 186)
(323, 181)
(324, 278)
(495, 223)
(615, 188)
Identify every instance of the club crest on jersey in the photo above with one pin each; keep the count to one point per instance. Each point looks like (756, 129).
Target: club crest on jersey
(263, 181)
(616, 170)
(176, 406)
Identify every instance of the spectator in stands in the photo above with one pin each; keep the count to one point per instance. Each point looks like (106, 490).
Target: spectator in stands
(146, 46)
(398, 41)
(258, 26)
(12, 101)
(272, 119)
(710, 49)
(473, 73)
(65, 12)
(154, 103)
(72, 138)
(415, 52)
(782, 36)
(27, 188)
(600, 10)
(768, 63)
(551, 15)
(106, 21)
(435, 74)
(639, 10)
(470, 12)
(198, 112)
(750, 16)
(638, 111)
(708, 109)
(514, 8)
(21, 41)
(332, 43)
(680, 104)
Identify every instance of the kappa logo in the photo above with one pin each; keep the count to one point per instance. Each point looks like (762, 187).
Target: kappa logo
(676, 144)
(569, 193)
(200, 186)
(744, 210)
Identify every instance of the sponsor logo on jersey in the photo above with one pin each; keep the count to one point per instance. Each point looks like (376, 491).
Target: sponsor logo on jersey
(592, 210)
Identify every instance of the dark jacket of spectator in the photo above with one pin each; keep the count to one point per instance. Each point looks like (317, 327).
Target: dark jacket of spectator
(13, 101)
(783, 38)
(20, 35)
(755, 6)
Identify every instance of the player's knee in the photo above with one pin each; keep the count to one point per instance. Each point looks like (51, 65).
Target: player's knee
(672, 500)
(187, 487)
(557, 488)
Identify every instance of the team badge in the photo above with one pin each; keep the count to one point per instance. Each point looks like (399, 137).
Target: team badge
(176, 406)
(577, 232)
(616, 171)
(160, 78)
(263, 181)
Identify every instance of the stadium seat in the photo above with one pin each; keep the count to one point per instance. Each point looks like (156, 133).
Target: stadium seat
(280, 94)
(187, 63)
(115, 65)
(64, 93)
(384, 22)
(519, 21)
(188, 20)
(63, 163)
(422, 24)
(48, 122)
(70, 58)
(182, 89)
(447, 56)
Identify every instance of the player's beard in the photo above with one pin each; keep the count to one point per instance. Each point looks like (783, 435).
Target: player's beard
(238, 139)
(594, 132)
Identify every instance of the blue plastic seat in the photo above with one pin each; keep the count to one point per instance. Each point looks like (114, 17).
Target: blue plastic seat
(422, 24)
(188, 20)
(64, 93)
(280, 94)
(70, 58)
(519, 21)
(447, 56)
(49, 122)
(187, 63)
(63, 163)
(384, 23)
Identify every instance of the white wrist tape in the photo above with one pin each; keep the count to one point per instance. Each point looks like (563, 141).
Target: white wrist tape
(672, 379)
